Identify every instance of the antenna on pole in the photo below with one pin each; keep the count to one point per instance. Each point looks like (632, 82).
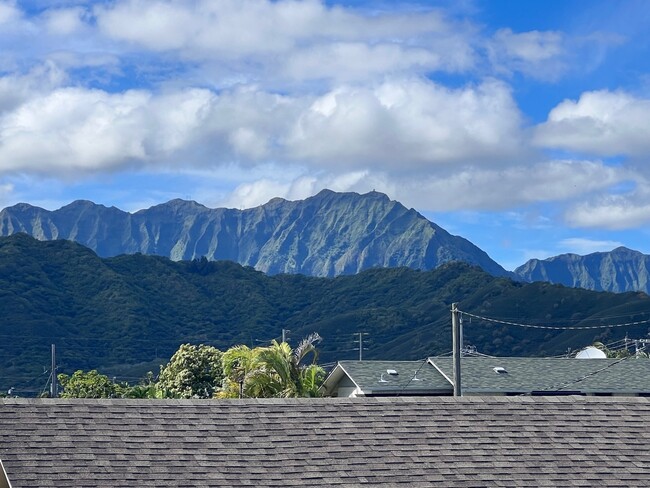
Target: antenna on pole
(361, 334)
(456, 339)
(53, 385)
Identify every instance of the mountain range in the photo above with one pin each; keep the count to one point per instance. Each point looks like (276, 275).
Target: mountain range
(617, 271)
(326, 235)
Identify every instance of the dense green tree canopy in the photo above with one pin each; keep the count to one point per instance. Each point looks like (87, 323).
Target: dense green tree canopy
(192, 372)
(87, 385)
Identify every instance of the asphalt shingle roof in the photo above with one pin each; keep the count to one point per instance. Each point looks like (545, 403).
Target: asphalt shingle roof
(373, 378)
(525, 375)
(413, 441)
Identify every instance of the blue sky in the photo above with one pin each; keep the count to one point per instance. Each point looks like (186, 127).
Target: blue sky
(523, 126)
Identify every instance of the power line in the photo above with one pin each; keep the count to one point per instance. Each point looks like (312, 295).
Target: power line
(561, 386)
(415, 375)
(553, 327)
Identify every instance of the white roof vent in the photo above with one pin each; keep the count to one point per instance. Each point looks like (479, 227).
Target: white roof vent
(382, 379)
(392, 372)
(500, 370)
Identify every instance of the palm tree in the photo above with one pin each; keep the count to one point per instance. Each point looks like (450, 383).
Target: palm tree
(237, 362)
(273, 371)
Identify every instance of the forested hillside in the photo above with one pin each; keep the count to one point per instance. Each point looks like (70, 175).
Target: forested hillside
(126, 315)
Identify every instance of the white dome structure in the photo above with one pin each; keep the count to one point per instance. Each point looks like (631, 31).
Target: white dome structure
(591, 352)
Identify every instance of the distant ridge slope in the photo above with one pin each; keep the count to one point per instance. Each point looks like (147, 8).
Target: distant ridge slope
(328, 234)
(617, 271)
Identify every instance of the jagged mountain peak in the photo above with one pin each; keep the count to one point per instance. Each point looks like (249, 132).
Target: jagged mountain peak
(23, 206)
(176, 205)
(327, 234)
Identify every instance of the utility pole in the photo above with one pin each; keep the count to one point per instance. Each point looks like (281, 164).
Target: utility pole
(361, 334)
(53, 385)
(456, 339)
(284, 334)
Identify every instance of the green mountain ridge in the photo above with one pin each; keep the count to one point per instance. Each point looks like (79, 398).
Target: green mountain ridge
(127, 314)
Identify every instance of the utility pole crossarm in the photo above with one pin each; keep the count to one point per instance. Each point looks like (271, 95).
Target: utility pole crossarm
(361, 334)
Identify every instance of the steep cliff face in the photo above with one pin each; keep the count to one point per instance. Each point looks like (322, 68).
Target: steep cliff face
(618, 271)
(328, 234)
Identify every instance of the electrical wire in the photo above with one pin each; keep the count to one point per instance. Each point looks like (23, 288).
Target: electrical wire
(561, 386)
(401, 390)
(553, 327)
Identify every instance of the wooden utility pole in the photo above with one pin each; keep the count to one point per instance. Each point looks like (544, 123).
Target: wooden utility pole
(456, 340)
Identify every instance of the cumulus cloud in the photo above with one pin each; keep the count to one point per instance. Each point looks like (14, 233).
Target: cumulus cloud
(293, 40)
(472, 189)
(73, 129)
(241, 27)
(16, 89)
(260, 191)
(411, 125)
(612, 212)
(355, 61)
(534, 53)
(601, 122)
(494, 189)
(65, 21)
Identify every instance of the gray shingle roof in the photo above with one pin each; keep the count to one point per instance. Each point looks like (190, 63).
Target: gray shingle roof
(415, 442)
(525, 375)
(372, 377)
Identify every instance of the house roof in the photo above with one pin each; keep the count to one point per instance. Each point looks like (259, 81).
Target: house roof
(415, 441)
(372, 378)
(526, 375)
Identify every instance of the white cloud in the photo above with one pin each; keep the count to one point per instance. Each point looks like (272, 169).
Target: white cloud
(408, 124)
(241, 27)
(475, 189)
(534, 53)
(72, 129)
(65, 21)
(601, 122)
(17, 89)
(612, 212)
(294, 40)
(258, 192)
(356, 61)
(9, 12)
(582, 246)
(494, 189)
